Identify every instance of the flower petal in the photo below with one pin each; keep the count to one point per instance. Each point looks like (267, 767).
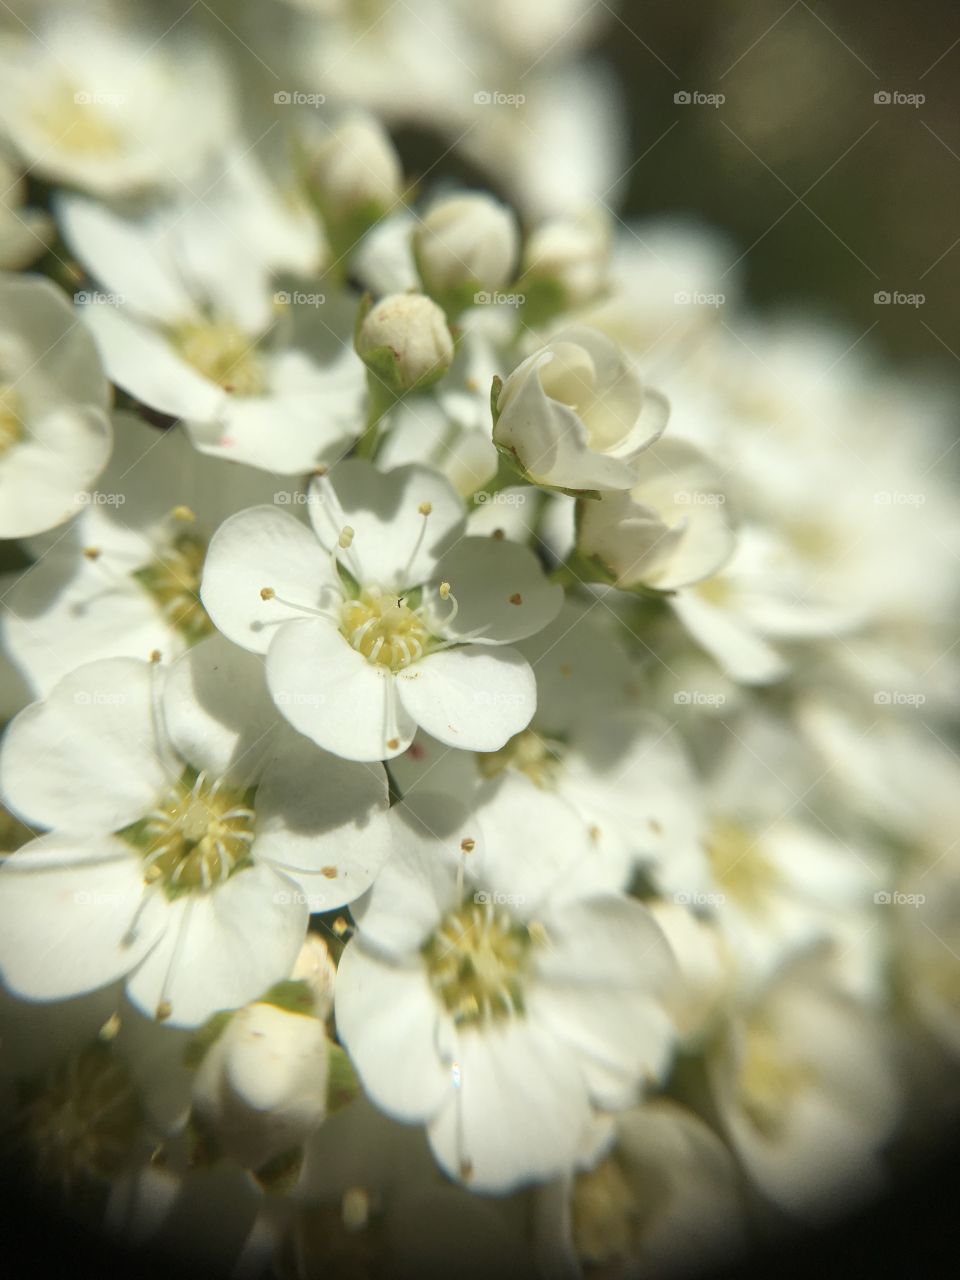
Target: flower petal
(502, 592)
(470, 697)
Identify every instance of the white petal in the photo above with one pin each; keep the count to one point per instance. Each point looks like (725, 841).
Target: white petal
(502, 592)
(252, 550)
(141, 361)
(742, 654)
(394, 544)
(87, 758)
(323, 821)
(67, 905)
(470, 697)
(218, 712)
(223, 948)
(332, 694)
(389, 1020)
(519, 1113)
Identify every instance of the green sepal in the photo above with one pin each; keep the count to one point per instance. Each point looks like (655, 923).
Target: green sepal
(342, 1083)
(291, 995)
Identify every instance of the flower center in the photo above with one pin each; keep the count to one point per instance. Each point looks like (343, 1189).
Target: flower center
(740, 864)
(527, 753)
(476, 961)
(224, 354)
(769, 1079)
(384, 629)
(196, 837)
(84, 1118)
(173, 579)
(11, 424)
(74, 121)
(609, 1211)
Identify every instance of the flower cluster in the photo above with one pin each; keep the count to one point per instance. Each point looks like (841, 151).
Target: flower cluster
(475, 721)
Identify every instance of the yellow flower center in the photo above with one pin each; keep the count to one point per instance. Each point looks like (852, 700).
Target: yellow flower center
(83, 1119)
(528, 753)
(609, 1211)
(11, 424)
(173, 579)
(196, 837)
(740, 864)
(770, 1079)
(384, 629)
(224, 354)
(476, 961)
(74, 120)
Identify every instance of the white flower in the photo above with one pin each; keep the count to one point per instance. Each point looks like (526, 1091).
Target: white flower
(124, 579)
(102, 105)
(405, 341)
(574, 415)
(804, 1085)
(466, 240)
(570, 254)
(666, 1195)
(671, 527)
(356, 167)
(491, 994)
(186, 320)
(760, 598)
(54, 431)
(191, 839)
(24, 233)
(392, 619)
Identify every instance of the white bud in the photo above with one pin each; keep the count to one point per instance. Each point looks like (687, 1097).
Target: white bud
(572, 252)
(406, 341)
(262, 1086)
(358, 166)
(467, 239)
(575, 415)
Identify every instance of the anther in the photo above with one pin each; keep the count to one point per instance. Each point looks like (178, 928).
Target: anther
(267, 593)
(346, 537)
(92, 553)
(425, 508)
(164, 1010)
(468, 845)
(516, 598)
(329, 872)
(184, 514)
(155, 656)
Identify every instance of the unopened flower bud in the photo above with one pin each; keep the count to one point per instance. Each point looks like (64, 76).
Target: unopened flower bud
(572, 254)
(357, 167)
(405, 340)
(466, 240)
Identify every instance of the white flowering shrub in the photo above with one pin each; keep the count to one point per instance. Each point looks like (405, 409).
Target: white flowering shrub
(477, 702)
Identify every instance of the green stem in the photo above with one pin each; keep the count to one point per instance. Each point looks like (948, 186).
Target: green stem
(381, 400)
